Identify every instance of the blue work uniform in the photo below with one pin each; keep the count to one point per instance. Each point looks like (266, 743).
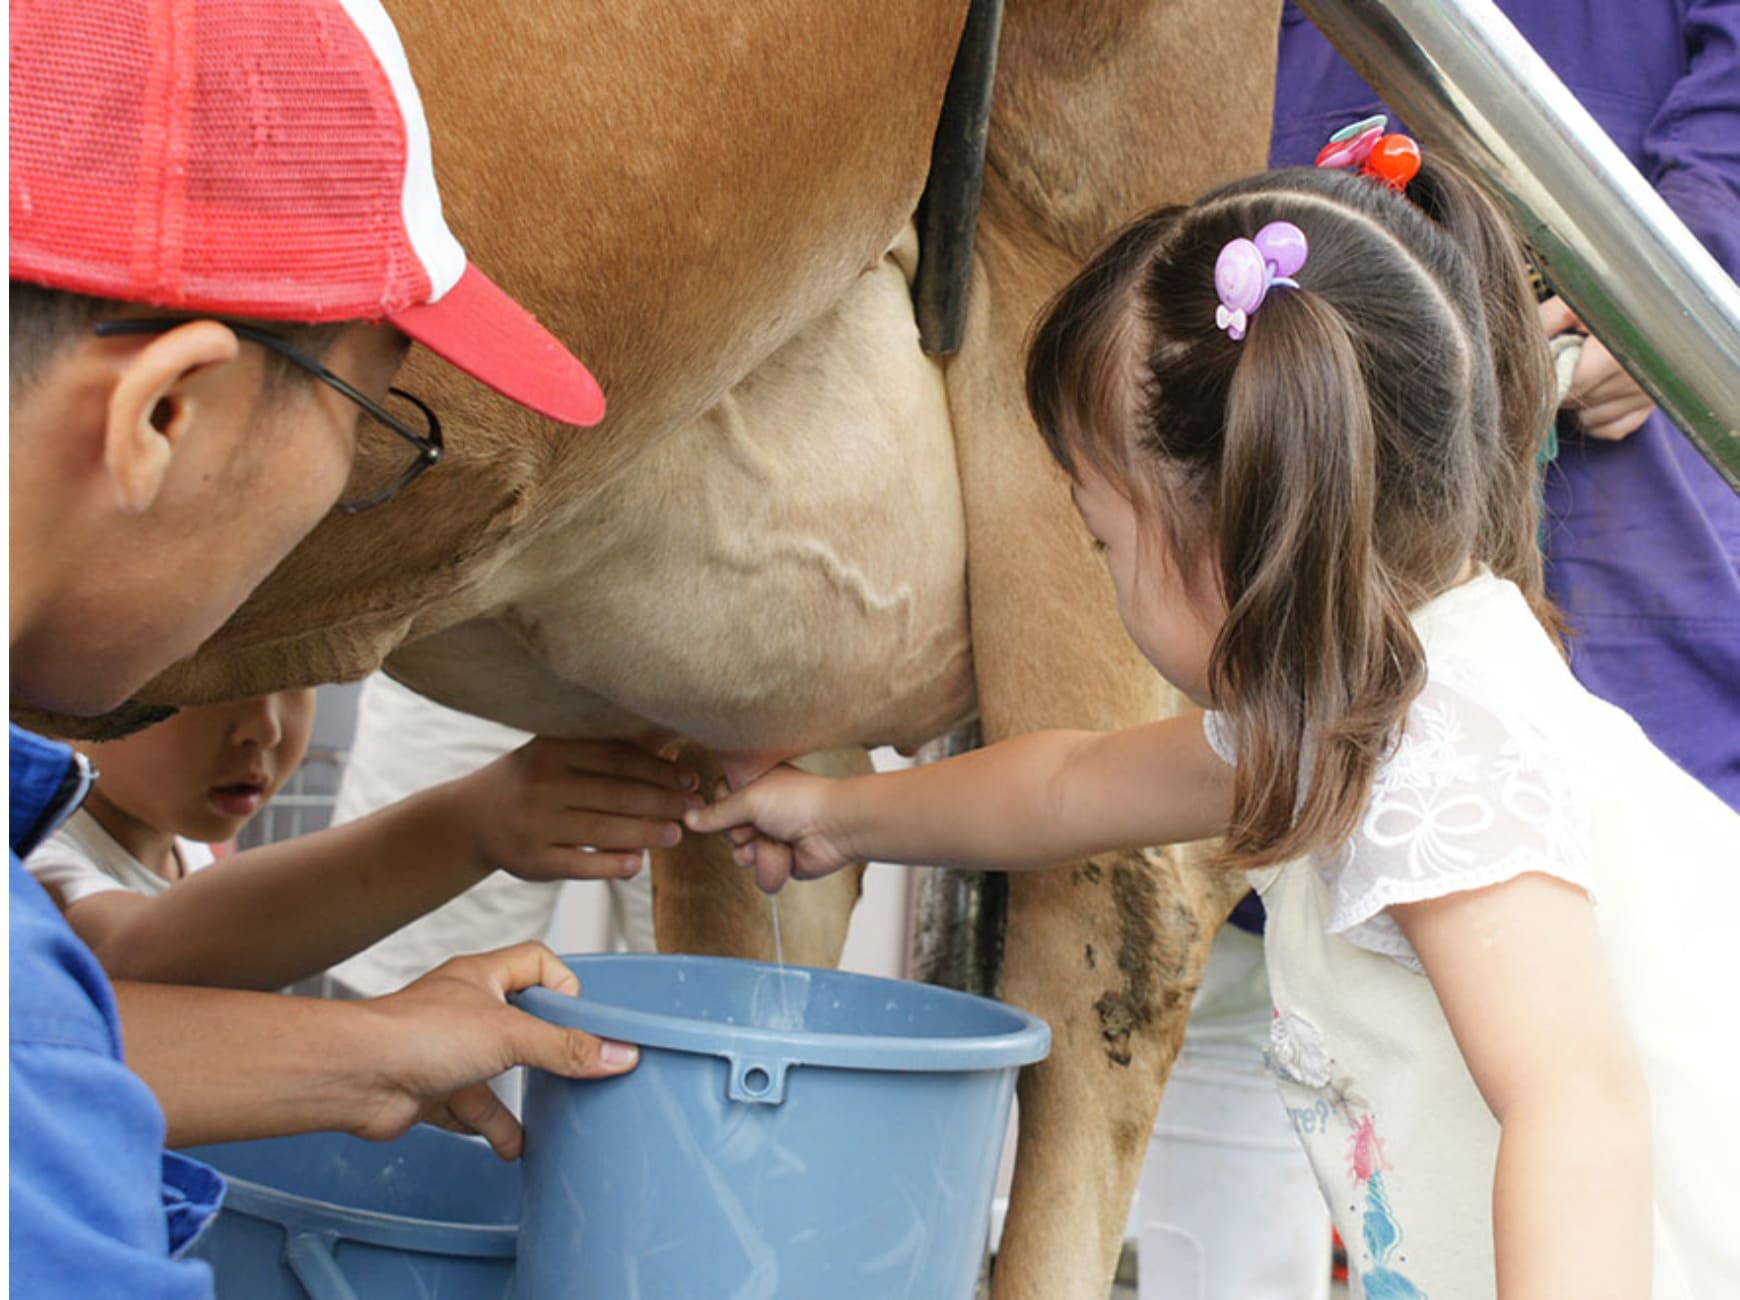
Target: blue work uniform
(100, 1210)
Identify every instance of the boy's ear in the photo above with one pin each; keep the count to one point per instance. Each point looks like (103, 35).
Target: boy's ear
(153, 405)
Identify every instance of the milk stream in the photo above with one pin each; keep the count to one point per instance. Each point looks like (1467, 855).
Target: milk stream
(779, 960)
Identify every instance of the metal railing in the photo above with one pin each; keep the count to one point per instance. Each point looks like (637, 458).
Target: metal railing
(1467, 82)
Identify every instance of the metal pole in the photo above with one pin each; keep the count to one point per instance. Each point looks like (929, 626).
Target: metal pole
(958, 917)
(1466, 82)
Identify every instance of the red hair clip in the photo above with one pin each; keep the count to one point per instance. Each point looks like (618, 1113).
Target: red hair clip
(1364, 147)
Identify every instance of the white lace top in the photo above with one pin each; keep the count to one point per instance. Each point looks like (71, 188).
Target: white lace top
(1470, 796)
(1505, 765)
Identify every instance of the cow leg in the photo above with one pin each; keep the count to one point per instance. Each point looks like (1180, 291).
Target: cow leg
(1107, 951)
(705, 903)
(1098, 115)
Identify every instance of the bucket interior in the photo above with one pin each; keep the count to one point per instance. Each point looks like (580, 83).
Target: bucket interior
(820, 1017)
(762, 996)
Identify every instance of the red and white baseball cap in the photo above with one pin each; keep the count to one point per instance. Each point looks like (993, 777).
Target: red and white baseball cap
(261, 158)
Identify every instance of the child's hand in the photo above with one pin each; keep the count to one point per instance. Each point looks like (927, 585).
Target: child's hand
(777, 825)
(576, 809)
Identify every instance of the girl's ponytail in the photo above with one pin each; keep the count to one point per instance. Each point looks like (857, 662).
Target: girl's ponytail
(1317, 662)
(1514, 420)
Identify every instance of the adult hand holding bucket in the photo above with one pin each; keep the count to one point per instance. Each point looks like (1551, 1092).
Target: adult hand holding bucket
(372, 1068)
(453, 1029)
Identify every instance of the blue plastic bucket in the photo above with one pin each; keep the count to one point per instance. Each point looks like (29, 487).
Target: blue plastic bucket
(327, 1216)
(787, 1135)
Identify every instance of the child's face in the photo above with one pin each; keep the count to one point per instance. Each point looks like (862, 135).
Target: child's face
(1173, 623)
(204, 772)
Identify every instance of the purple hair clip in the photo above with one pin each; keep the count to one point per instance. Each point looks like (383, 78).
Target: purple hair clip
(1247, 269)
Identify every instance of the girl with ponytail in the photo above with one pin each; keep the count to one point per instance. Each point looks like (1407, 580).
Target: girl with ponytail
(1300, 417)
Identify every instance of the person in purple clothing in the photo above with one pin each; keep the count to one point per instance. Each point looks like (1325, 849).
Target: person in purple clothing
(1642, 535)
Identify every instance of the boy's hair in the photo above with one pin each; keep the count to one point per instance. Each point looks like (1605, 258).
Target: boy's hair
(44, 321)
(1376, 429)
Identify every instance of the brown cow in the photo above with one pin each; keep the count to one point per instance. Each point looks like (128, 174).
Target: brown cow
(763, 548)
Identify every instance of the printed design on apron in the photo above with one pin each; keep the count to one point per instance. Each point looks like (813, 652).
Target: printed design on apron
(1382, 1234)
(1297, 1053)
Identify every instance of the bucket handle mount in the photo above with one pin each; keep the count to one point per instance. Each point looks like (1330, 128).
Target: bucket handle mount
(759, 1080)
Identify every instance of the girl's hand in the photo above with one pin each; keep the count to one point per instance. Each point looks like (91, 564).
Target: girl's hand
(777, 825)
(576, 809)
(1606, 400)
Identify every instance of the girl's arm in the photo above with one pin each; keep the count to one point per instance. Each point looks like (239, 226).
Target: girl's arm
(1520, 972)
(276, 914)
(1033, 801)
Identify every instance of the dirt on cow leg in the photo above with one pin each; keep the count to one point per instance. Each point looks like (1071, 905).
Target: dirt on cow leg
(1117, 1019)
(705, 903)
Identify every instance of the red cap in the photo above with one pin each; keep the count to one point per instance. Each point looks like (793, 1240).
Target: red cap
(261, 158)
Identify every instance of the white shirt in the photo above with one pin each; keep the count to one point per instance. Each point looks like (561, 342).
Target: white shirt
(81, 859)
(405, 743)
(1507, 765)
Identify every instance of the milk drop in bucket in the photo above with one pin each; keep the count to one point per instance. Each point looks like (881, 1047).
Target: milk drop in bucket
(790, 1133)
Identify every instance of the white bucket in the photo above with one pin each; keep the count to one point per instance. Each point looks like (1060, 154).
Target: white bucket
(1228, 1208)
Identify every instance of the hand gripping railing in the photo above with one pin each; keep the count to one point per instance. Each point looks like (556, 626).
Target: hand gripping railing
(1466, 82)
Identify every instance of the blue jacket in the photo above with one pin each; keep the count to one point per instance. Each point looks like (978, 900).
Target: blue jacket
(99, 1208)
(1642, 536)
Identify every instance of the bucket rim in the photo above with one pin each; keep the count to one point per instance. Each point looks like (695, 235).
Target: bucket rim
(1027, 1040)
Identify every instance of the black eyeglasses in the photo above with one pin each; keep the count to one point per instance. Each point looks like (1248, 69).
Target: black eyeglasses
(378, 473)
